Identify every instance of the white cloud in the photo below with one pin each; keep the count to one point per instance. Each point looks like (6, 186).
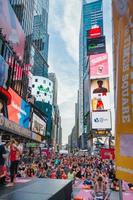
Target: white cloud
(64, 21)
(68, 24)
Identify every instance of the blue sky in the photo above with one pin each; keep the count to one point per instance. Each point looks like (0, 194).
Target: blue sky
(64, 25)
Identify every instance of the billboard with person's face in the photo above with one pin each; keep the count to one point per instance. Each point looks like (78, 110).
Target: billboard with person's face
(11, 28)
(100, 86)
(99, 66)
(18, 110)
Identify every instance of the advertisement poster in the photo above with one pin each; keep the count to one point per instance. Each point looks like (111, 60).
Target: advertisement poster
(11, 28)
(107, 153)
(18, 110)
(100, 86)
(100, 101)
(96, 45)
(42, 89)
(101, 120)
(99, 66)
(123, 42)
(3, 72)
(38, 125)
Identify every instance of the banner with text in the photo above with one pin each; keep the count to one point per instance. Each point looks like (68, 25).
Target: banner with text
(123, 43)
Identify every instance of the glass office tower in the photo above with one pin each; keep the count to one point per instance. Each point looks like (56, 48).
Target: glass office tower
(92, 14)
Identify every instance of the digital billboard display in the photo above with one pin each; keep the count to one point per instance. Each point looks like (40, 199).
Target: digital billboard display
(99, 66)
(101, 120)
(11, 28)
(38, 125)
(3, 72)
(96, 45)
(18, 110)
(100, 86)
(42, 89)
(95, 32)
(100, 101)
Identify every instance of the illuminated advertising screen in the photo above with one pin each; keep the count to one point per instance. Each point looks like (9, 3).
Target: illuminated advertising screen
(38, 125)
(42, 89)
(100, 86)
(96, 45)
(101, 120)
(3, 72)
(100, 101)
(95, 32)
(11, 28)
(99, 66)
(18, 110)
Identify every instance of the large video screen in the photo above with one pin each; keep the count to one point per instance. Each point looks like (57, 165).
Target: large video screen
(99, 66)
(18, 110)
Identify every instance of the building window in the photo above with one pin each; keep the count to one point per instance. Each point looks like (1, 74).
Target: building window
(33, 85)
(38, 92)
(36, 80)
(44, 81)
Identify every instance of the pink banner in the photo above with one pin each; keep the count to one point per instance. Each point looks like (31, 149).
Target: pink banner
(99, 66)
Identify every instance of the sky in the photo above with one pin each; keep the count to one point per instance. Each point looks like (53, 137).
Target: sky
(64, 24)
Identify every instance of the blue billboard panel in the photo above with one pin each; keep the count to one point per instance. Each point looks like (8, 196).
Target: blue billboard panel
(24, 119)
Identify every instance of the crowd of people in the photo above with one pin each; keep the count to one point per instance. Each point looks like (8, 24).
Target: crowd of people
(92, 170)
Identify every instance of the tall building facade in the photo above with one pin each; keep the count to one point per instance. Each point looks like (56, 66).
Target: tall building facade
(19, 119)
(33, 16)
(91, 15)
(53, 78)
(94, 56)
(40, 38)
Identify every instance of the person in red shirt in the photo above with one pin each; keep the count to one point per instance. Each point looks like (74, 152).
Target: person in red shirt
(13, 159)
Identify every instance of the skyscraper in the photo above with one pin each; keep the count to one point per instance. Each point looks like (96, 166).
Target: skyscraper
(53, 78)
(92, 14)
(40, 38)
(96, 72)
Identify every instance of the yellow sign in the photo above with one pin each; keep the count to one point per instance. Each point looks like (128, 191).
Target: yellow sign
(123, 59)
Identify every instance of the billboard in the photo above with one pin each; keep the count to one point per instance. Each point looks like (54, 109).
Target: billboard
(3, 72)
(95, 32)
(38, 125)
(100, 86)
(42, 89)
(18, 110)
(96, 45)
(107, 153)
(11, 28)
(123, 57)
(100, 101)
(99, 66)
(101, 120)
